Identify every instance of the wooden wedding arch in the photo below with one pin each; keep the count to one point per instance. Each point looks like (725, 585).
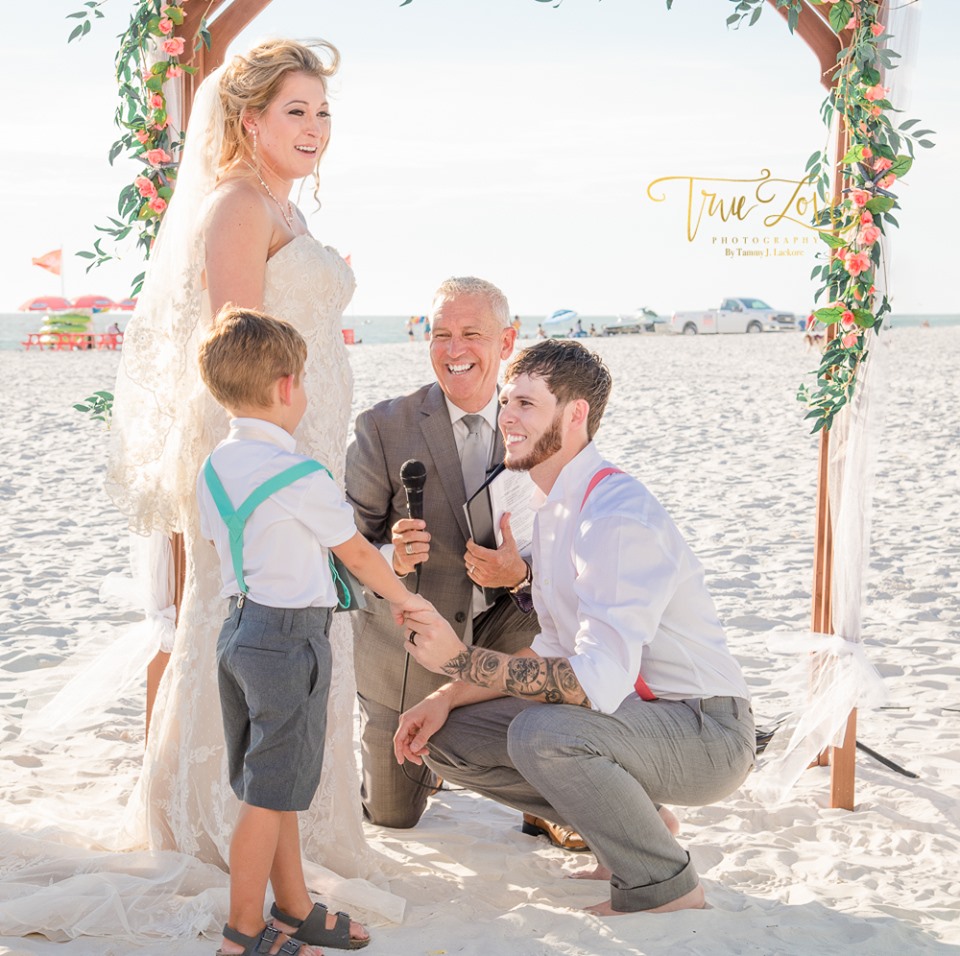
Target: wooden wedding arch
(226, 18)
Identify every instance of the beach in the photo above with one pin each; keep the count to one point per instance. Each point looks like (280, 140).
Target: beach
(712, 427)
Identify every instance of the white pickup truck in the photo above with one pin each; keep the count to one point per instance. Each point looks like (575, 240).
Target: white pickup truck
(734, 315)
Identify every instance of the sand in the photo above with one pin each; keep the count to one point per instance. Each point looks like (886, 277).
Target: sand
(712, 427)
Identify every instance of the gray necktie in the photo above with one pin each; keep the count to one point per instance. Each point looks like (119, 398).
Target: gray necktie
(475, 455)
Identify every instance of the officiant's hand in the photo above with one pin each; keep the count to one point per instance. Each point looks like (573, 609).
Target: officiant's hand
(411, 544)
(500, 568)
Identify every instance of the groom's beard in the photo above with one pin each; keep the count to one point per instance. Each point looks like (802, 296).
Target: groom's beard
(548, 444)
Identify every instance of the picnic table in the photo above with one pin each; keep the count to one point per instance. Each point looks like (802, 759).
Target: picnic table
(70, 341)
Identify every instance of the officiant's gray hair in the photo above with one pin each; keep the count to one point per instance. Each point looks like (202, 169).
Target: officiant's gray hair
(471, 285)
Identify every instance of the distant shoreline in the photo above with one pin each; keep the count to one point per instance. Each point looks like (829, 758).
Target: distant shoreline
(386, 329)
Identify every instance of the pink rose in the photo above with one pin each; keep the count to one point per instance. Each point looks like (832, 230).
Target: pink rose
(157, 204)
(145, 187)
(887, 181)
(882, 164)
(157, 156)
(173, 71)
(857, 263)
(869, 235)
(866, 217)
(850, 340)
(847, 318)
(165, 26)
(875, 111)
(874, 93)
(851, 24)
(867, 152)
(860, 197)
(142, 135)
(877, 28)
(156, 101)
(173, 46)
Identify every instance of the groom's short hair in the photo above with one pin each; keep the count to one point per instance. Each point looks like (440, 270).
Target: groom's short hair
(570, 371)
(245, 353)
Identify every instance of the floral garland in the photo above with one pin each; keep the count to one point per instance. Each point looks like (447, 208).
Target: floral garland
(147, 131)
(852, 228)
(871, 166)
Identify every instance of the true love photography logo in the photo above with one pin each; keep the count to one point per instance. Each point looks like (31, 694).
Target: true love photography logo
(759, 217)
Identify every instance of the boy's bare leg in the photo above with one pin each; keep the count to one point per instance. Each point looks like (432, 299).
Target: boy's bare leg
(289, 886)
(252, 852)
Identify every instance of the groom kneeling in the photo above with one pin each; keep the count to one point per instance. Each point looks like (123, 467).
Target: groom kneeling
(628, 698)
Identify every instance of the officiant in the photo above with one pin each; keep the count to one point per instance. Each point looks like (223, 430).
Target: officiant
(450, 425)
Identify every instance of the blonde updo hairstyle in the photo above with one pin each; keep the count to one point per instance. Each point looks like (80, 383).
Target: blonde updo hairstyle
(251, 81)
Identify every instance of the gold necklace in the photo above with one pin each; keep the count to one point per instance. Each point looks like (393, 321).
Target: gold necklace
(288, 213)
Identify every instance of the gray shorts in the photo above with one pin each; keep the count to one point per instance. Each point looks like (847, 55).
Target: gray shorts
(273, 667)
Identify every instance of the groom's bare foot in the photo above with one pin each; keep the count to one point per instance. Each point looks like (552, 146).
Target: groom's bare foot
(694, 900)
(600, 872)
(670, 820)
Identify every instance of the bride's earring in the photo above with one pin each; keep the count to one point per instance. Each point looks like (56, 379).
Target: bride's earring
(253, 132)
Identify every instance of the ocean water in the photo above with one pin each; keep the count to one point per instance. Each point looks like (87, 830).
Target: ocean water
(378, 329)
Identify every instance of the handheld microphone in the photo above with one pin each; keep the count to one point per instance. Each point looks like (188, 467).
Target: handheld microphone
(413, 475)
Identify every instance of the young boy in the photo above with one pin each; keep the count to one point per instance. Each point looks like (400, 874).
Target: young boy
(273, 652)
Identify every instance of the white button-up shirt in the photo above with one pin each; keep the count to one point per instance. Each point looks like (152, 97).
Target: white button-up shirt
(619, 592)
(285, 540)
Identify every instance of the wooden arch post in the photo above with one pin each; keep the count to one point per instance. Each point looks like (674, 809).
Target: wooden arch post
(815, 30)
(225, 19)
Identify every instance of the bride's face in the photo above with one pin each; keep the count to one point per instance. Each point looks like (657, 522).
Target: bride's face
(292, 132)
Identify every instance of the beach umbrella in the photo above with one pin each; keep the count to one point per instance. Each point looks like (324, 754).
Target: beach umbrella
(560, 317)
(127, 305)
(100, 303)
(45, 303)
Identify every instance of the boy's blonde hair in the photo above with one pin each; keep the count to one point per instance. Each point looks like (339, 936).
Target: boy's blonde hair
(245, 353)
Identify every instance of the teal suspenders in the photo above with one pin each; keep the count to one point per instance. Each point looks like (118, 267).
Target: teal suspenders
(236, 518)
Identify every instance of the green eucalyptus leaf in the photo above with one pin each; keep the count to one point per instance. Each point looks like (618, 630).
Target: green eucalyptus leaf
(829, 316)
(834, 242)
(880, 204)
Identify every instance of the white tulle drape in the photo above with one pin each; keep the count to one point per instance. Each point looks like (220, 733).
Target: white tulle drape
(834, 674)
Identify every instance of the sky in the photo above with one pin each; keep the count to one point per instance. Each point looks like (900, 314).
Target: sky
(512, 139)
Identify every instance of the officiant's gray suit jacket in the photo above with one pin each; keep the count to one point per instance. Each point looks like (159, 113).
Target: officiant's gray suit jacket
(417, 426)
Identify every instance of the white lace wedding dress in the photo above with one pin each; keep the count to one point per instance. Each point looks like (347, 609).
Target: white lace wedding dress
(183, 801)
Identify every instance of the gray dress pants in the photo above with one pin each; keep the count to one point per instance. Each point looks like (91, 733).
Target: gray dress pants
(605, 775)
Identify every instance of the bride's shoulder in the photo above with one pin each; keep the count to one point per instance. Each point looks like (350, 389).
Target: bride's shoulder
(236, 204)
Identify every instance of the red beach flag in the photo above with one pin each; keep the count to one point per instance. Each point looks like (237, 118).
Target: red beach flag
(50, 261)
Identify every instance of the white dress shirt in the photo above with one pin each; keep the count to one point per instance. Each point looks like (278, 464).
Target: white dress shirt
(619, 592)
(285, 540)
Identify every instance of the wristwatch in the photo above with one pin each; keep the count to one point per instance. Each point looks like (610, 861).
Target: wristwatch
(525, 583)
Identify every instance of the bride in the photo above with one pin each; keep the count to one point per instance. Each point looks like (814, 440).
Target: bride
(231, 234)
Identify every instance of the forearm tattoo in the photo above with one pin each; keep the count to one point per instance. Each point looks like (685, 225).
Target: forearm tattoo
(547, 679)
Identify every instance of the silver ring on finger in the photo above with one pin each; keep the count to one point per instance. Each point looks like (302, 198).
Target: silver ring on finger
(471, 569)
(408, 547)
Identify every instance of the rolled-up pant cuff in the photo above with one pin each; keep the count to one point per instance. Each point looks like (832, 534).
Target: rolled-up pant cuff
(635, 898)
